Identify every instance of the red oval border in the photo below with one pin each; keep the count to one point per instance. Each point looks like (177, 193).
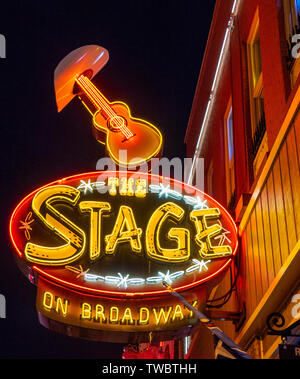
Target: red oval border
(113, 293)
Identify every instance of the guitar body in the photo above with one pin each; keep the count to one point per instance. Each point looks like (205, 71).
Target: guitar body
(144, 143)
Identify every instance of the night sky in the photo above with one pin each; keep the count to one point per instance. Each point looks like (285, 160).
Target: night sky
(156, 48)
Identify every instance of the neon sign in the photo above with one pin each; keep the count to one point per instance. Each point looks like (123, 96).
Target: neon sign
(113, 124)
(108, 319)
(119, 235)
(101, 313)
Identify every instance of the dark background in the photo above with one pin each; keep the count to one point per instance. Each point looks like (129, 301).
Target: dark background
(156, 48)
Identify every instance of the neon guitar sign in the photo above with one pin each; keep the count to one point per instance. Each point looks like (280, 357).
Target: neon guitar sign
(113, 124)
(99, 245)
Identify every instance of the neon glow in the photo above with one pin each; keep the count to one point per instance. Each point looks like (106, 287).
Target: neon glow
(99, 313)
(184, 229)
(125, 281)
(96, 97)
(73, 236)
(221, 61)
(95, 209)
(115, 315)
(90, 186)
(114, 121)
(166, 192)
(60, 306)
(205, 234)
(125, 230)
(181, 252)
(26, 225)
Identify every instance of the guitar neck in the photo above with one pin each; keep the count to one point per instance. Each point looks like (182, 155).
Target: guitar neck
(102, 104)
(95, 96)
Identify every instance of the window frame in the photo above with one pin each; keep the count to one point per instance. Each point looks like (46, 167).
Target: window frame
(229, 164)
(291, 13)
(255, 89)
(290, 16)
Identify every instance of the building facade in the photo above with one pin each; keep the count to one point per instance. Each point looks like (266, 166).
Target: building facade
(245, 123)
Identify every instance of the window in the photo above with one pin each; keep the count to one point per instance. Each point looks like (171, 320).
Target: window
(229, 154)
(292, 27)
(256, 92)
(292, 17)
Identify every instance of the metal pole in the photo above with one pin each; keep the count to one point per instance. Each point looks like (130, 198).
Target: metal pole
(209, 324)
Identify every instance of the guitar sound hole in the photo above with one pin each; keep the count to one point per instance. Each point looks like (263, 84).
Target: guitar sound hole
(116, 123)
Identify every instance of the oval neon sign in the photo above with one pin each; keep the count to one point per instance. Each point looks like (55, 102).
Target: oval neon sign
(122, 234)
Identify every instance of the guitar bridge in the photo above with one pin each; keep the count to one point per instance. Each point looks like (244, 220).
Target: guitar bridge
(127, 139)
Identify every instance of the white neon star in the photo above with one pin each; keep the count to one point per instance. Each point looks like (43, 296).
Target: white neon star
(198, 265)
(79, 271)
(165, 191)
(222, 237)
(200, 203)
(196, 202)
(170, 277)
(86, 186)
(165, 277)
(123, 280)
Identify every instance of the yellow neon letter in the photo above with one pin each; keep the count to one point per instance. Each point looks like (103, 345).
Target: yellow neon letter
(181, 235)
(62, 306)
(116, 317)
(48, 304)
(99, 313)
(43, 206)
(132, 234)
(205, 233)
(86, 311)
(95, 208)
(127, 316)
(177, 313)
(145, 319)
(141, 188)
(191, 313)
(126, 187)
(162, 315)
(113, 184)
